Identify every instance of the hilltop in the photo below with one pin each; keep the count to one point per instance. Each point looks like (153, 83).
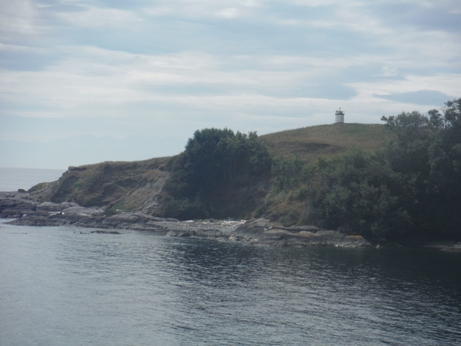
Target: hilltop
(309, 143)
(140, 185)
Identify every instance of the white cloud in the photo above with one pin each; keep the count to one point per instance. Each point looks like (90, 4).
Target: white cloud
(103, 81)
(158, 10)
(17, 17)
(321, 3)
(389, 71)
(175, 66)
(201, 9)
(449, 84)
(92, 17)
(228, 13)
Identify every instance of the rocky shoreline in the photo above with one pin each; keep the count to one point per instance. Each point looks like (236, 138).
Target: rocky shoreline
(26, 212)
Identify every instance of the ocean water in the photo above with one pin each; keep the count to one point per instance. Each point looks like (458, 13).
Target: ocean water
(66, 286)
(12, 179)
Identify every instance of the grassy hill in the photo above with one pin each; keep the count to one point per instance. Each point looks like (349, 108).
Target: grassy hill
(128, 186)
(309, 143)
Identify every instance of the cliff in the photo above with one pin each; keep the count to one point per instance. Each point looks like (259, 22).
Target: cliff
(139, 186)
(116, 186)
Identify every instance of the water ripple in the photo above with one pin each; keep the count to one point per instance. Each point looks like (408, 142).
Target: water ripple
(60, 287)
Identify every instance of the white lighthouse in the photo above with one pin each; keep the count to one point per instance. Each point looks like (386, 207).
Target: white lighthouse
(339, 116)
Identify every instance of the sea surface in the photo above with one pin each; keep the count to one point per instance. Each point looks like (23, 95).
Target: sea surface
(12, 179)
(67, 286)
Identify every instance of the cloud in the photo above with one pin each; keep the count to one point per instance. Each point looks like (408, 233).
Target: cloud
(425, 15)
(420, 97)
(92, 16)
(119, 68)
(26, 58)
(108, 83)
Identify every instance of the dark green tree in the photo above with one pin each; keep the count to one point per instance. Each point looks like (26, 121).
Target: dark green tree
(445, 169)
(353, 193)
(287, 173)
(411, 188)
(214, 160)
(425, 163)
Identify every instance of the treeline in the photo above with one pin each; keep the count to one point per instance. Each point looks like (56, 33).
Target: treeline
(411, 188)
(214, 161)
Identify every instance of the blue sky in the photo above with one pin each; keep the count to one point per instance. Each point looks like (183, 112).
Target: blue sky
(135, 79)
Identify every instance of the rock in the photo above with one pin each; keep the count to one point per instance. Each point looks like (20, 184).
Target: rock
(253, 232)
(79, 168)
(264, 232)
(82, 211)
(180, 234)
(15, 204)
(54, 207)
(447, 246)
(213, 233)
(303, 228)
(105, 232)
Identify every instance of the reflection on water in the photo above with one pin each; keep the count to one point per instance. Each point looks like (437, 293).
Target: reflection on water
(62, 287)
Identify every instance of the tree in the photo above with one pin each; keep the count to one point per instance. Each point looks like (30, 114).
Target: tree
(213, 161)
(353, 192)
(426, 161)
(410, 188)
(214, 157)
(287, 173)
(445, 169)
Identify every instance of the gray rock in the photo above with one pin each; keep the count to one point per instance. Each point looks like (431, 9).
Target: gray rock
(254, 232)
(15, 204)
(264, 232)
(180, 234)
(105, 232)
(54, 207)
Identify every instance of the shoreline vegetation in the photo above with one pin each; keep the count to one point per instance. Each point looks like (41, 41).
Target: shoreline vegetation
(396, 182)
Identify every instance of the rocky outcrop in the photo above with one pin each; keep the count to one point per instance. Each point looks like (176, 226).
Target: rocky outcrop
(15, 204)
(116, 185)
(256, 232)
(264, 232)
(105, 232)
(447, 246)
(91, 217)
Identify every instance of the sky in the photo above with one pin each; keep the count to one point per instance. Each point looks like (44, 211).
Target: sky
(86, 81)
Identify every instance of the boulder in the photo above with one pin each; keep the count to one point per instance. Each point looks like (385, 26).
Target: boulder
(15, 204)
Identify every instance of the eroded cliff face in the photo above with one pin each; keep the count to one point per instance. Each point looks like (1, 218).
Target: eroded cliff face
(140, 186)
(117, 186)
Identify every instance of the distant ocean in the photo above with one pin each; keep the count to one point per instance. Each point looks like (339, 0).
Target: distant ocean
(12, 179)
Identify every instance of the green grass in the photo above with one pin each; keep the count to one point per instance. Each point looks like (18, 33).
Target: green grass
(309, 143)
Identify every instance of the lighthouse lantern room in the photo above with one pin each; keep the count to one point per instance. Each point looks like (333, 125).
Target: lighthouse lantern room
(339, 116)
